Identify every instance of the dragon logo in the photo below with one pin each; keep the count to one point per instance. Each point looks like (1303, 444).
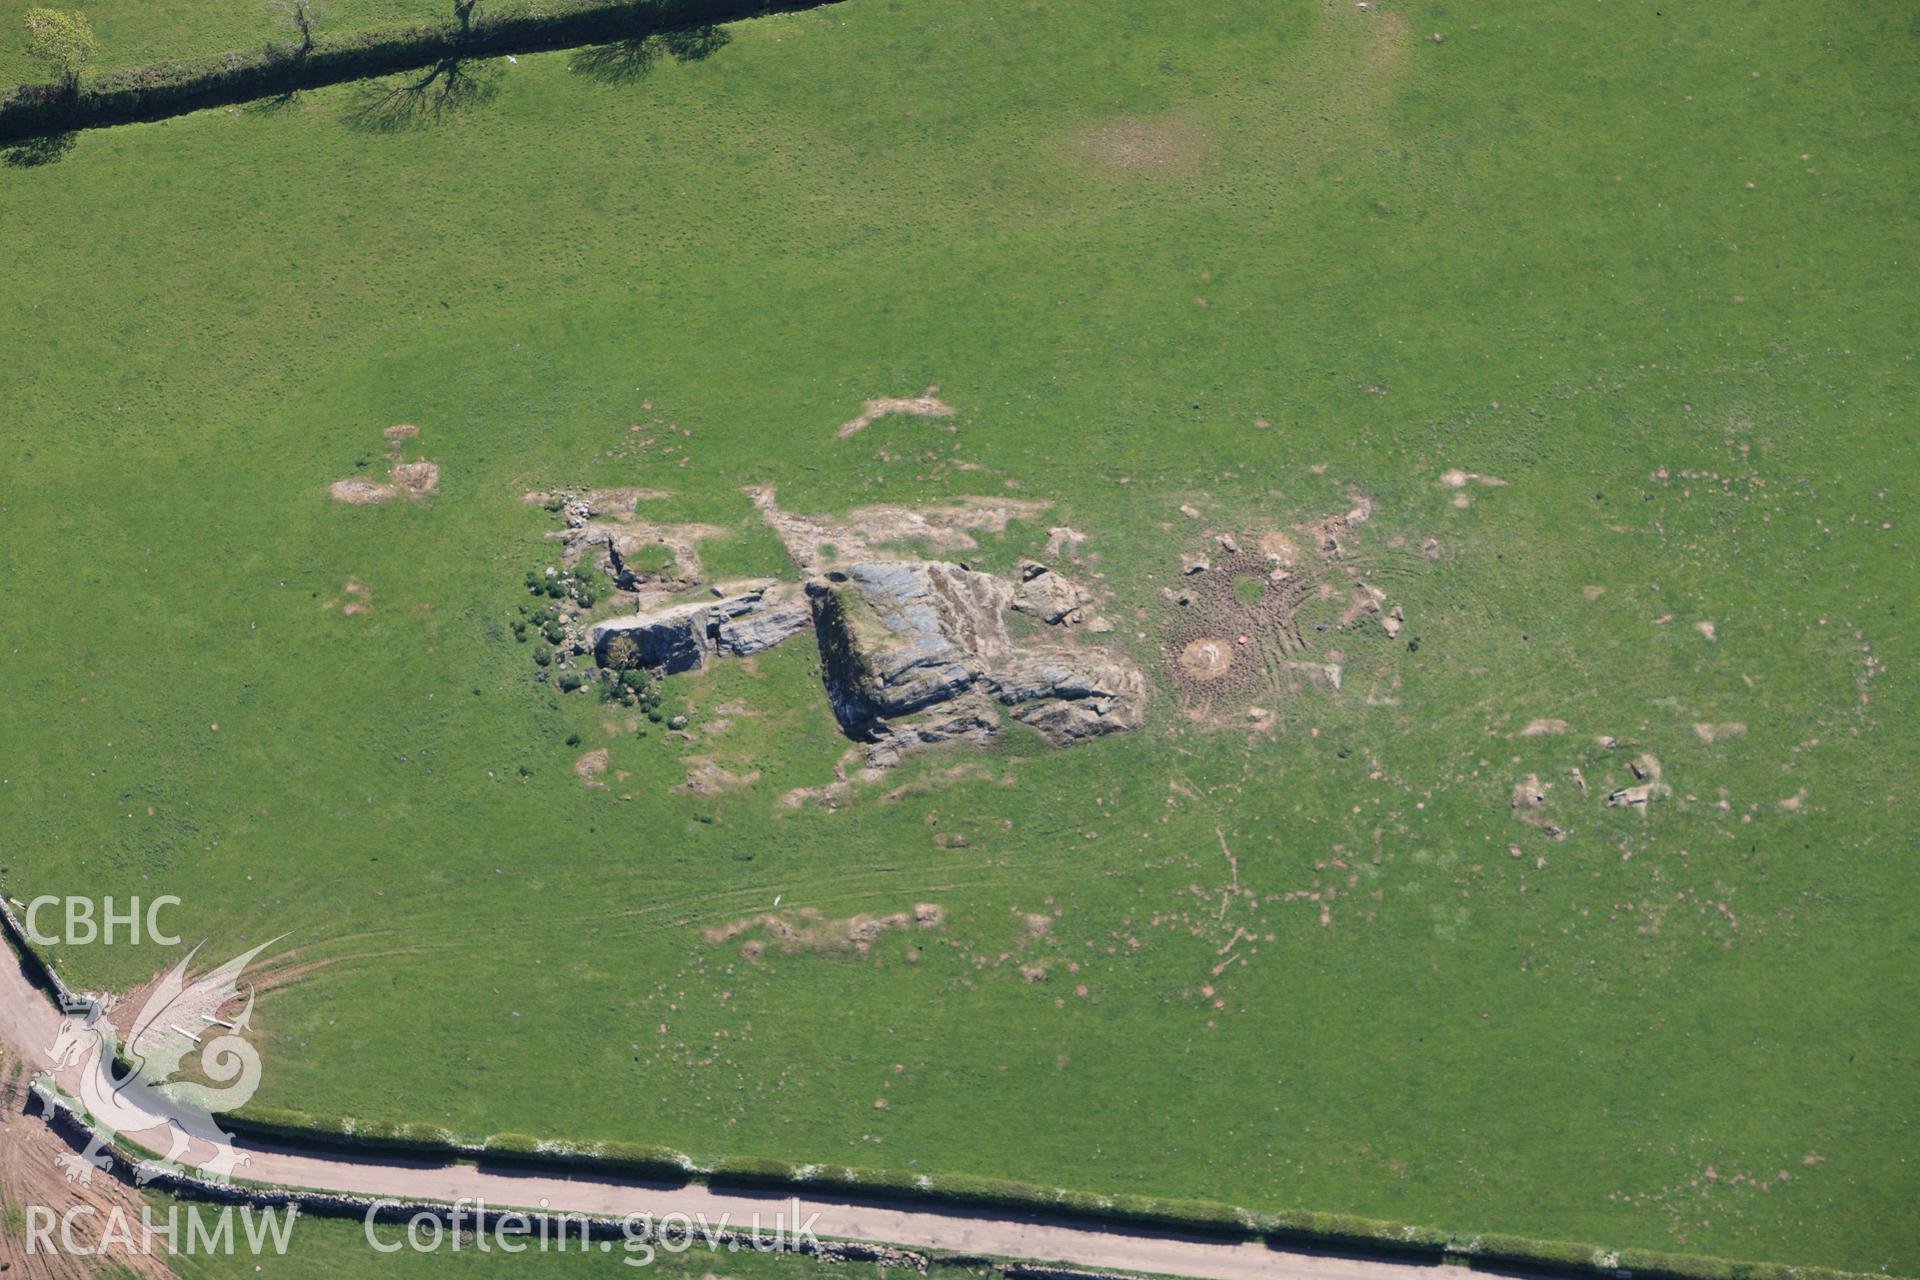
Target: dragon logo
(140, 1089)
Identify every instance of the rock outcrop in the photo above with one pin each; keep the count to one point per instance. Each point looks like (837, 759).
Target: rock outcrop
(894, 741)
(683, 637)
(902, 637)
(760, 629)
(899, 636)
(1045, 594)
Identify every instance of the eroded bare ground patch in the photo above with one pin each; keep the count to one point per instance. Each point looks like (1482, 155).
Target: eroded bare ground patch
(1238, 635)
(1149, 147)
(590, 766)
(416, 479)
(808, 931)
(707, 777)
(816, 543)
(1387, 41)
(1552, 797)
(355, 597)
(925, 405)
(31, 1174)
(604, 528)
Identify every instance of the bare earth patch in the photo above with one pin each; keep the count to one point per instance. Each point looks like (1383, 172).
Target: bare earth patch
(413, 479)
(808, 931)
(814, 542)
(1531, 803)
(921, 406)
(590, 766)
(31, 1175)
(1280, 549)
(1154, 147)
(1207, 658)
(359, 493)
(416, 479)
(1388, 47)
(705, 777)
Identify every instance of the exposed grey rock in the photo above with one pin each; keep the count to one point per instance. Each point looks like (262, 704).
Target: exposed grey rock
(1067, 723)
(1055, 676)
(898, 637)
(683, 637)
(672, 640)
(1069, 697)
(1045, 594)
(897, 739)
(761, 630)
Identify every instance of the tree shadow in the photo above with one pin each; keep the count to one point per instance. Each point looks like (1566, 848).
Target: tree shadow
(628, 60)
(49, 148)
(619, 63)
(451, 86)
(283, 101)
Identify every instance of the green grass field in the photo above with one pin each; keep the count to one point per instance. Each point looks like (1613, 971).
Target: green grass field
(132, 32)
(1650, 266)
(337, 1249)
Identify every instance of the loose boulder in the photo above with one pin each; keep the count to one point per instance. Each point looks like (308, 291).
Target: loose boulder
(1046, 595)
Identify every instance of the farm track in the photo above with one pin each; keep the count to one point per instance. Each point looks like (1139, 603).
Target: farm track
(29, 1022)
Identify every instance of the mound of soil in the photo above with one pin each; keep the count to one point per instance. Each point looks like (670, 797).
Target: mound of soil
(1207, 657)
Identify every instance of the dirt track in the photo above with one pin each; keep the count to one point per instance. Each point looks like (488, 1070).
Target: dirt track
(29, 1023)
